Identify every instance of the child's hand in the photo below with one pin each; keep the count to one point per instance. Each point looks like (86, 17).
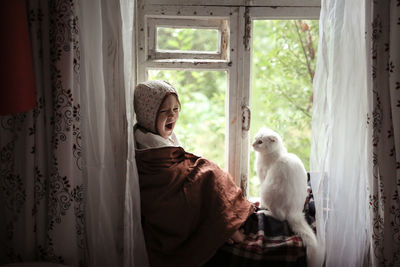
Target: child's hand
(237, 237)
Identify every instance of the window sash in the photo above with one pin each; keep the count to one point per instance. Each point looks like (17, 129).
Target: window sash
(257, 3)
(236, 62)
(221, 25)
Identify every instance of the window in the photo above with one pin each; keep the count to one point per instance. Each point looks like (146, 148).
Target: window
(212, 55)
(204, 38)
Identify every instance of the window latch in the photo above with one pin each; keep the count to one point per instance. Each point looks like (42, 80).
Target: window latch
(246, 117)
(247, 29)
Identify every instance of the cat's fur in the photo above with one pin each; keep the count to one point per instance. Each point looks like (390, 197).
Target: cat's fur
(283, 188)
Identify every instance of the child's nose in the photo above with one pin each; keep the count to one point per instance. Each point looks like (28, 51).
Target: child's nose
(171, 113)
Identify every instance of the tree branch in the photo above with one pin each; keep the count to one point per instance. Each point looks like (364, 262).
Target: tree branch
(310, 71)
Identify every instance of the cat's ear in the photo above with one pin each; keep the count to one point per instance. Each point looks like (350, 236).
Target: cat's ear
(272, 139)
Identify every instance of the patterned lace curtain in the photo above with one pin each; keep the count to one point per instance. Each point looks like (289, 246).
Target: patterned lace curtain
(68, 180)
(384, 69)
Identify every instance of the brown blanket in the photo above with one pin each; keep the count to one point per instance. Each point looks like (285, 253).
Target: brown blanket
(190, 206)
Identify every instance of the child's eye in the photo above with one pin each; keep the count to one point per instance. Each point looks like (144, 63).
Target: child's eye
(176, 109)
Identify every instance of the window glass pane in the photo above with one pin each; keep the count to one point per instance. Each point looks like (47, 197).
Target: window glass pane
(201, 124)
(283, 64)
(187, 39)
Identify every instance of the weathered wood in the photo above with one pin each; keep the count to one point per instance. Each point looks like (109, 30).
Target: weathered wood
(284, 13)
(188, 64)
(236, 2)
(221, 25)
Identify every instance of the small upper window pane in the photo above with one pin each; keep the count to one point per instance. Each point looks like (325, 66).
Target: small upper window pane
(187, 39)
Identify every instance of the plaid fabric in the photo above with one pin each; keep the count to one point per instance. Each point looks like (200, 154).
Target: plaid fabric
(268, 242)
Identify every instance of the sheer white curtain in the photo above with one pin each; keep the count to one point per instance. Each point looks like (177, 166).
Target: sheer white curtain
(339, 153)
(114, 233)
(135, 253)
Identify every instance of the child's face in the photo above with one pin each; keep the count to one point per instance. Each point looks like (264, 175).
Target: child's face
(167, 116)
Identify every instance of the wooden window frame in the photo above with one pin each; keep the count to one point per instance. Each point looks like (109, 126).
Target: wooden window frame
(221, 25)
(237, 16)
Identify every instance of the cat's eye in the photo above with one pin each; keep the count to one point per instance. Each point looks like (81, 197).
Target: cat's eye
(259, 142)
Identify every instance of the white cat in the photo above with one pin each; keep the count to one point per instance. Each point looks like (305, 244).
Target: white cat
(283, 188)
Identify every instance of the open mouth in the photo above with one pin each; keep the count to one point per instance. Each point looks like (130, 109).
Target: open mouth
(169, 126)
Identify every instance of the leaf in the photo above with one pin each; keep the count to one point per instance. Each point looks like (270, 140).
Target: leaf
(304, 26)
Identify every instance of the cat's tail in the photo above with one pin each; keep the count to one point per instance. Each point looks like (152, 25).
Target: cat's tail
(300, 226)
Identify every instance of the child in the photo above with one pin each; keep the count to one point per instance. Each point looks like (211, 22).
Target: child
(190, 206)
(157, 110)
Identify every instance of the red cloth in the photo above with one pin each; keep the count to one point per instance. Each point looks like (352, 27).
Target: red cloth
(190, 207)
(17, 91)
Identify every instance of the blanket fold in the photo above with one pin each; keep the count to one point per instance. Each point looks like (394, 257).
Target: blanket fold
(190, 207)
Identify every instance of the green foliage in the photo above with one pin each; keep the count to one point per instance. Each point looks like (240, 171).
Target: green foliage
(283, 64)
(187, 39)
